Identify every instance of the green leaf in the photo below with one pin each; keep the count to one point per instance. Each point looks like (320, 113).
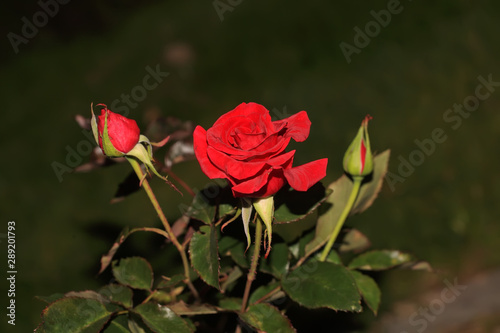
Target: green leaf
(380, 260)
(292, 232)
(418, 266)
(370, 190)
(332, 257)
(266, 318)
(134, 272)
(291, 205)
(202, 209)
(263, 291)
(117, 293)
(135, 327)
(322, 284)
(298, 249)
(182, 309)
(161, 319)
(51, 298)
(74, 314)
(368, 289)
(229, 246)
(162, 297)
(230, 303)
(87, 294)
(204, 255)
(233, 276)
(331, 210)
(170, 282)
(226, 209)
(117, 325)
(277, 263)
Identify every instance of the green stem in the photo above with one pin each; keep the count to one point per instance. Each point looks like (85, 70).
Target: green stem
(171, 236)
(253, 265)
(347, 209)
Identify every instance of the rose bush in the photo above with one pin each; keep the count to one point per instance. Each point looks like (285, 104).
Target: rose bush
(248, 149)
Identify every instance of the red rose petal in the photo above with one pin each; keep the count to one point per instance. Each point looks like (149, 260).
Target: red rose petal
(271, 146)
(297, 125)
(247, 148)
(258, 113)
(265, 185)
(240, 170)
(234, 168)
(200, 150)
(123, 132)
(243, 128)
(301, 178)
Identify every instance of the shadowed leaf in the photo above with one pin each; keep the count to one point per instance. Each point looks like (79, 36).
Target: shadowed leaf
(134, 272)
(380, 260)
(291, 205)
(266, 318)
(322, 284)
(74, 314)
(204, 255)
(161, 319)
(368, 289)
(117, 293)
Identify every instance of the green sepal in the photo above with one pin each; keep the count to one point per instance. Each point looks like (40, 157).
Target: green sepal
(265, 209)
(140, 152)
(93, 124)
(144, 139)
(246, 212)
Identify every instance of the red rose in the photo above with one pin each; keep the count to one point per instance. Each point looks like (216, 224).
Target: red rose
(245, 147)
(123, 133)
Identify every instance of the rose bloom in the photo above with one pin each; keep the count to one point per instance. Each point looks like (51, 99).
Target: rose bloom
(248, 149)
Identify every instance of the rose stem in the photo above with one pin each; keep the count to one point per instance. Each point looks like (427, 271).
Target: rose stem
(253, 266)
(350, 202)
(166, 225)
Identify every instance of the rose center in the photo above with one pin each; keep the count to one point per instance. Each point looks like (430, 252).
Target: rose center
(247, 138)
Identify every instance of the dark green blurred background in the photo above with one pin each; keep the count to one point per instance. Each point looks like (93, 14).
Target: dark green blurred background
(284, 55)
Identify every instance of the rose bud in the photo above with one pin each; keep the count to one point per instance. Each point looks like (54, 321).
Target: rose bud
(116, 134)
(119, 136)
(358, 159)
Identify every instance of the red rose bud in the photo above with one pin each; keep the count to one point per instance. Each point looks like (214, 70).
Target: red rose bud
(358, 159)
(119, 136)
(247, 148)
(115, 134)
